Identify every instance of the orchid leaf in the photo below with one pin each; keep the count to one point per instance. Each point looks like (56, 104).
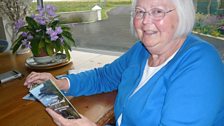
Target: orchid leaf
(32, 23)
(17, 44)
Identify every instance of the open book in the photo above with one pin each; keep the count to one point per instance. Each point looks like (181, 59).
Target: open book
(50, 96)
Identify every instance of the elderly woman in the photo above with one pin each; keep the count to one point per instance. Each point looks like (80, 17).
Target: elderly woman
(169, 77)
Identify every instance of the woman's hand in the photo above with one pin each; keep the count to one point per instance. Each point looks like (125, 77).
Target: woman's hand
(61, 121)
(37, 78)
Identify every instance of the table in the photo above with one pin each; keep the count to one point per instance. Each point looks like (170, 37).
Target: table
(14, 111)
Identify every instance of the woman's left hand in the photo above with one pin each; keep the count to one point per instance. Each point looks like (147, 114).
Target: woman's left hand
(61, 121)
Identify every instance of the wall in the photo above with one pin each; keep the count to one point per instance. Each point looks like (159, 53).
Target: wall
(78, 16)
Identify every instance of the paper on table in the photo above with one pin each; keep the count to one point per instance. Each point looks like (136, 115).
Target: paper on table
(29, 97)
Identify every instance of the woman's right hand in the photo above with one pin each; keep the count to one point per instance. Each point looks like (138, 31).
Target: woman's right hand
(61, 121)
(37, 78)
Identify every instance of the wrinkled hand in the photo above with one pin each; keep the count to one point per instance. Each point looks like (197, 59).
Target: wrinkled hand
(61, 121)
(37, 78)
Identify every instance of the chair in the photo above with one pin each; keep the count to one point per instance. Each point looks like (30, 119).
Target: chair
(3, 45)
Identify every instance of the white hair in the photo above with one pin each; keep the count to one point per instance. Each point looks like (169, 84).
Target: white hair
(186, 16)
(132, 18)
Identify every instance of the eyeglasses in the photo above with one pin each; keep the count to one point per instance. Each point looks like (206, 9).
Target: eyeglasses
(155, 13)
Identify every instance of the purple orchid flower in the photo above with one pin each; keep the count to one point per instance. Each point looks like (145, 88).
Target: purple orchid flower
(49, 31)
(32, 16)
(18, 24)
(26, 43)
(62, 41)
(58, 30)
(41, 20)
(24, 34)
(40, 10)
(29, 37)
(50, 10)
(53, 36)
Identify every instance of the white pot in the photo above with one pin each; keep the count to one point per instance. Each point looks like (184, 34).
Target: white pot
(44, 59)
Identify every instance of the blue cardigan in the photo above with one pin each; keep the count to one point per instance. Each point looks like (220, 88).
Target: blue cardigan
(187, 91)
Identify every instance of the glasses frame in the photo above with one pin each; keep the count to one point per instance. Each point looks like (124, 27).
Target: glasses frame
(143, 13)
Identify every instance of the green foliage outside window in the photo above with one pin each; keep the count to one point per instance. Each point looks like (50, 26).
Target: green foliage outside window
(210, 24)
(221, 4)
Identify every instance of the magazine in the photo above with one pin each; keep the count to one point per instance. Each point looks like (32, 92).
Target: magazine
(50, 96)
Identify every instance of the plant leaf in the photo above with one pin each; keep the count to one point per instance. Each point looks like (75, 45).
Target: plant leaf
(48, 40)
(32, 24)
(23, 29)
(68, 39)
(17, 44)
(49, 48)
(58, 46)
(65, 28)
(67, 53)
(35, 45)
(41, 44)
(54, 23)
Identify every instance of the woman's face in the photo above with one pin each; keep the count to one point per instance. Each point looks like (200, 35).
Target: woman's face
(156, 34)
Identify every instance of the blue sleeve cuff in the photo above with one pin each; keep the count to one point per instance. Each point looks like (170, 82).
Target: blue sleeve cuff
(64, 77)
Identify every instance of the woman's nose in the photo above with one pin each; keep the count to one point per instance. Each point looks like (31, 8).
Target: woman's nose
(147, 19)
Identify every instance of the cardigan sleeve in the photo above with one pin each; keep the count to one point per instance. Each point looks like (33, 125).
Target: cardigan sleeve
(195, 94)
(98, 80)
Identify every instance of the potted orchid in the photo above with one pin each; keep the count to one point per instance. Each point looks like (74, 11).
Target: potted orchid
(43, 33)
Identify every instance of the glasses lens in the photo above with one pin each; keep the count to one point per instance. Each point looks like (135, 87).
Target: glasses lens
(157, 13)
(139, 13)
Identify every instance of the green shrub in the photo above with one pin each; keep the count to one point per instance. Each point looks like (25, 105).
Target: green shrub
(209, 24)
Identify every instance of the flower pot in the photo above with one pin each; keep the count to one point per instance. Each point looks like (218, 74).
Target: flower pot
(44, 59)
